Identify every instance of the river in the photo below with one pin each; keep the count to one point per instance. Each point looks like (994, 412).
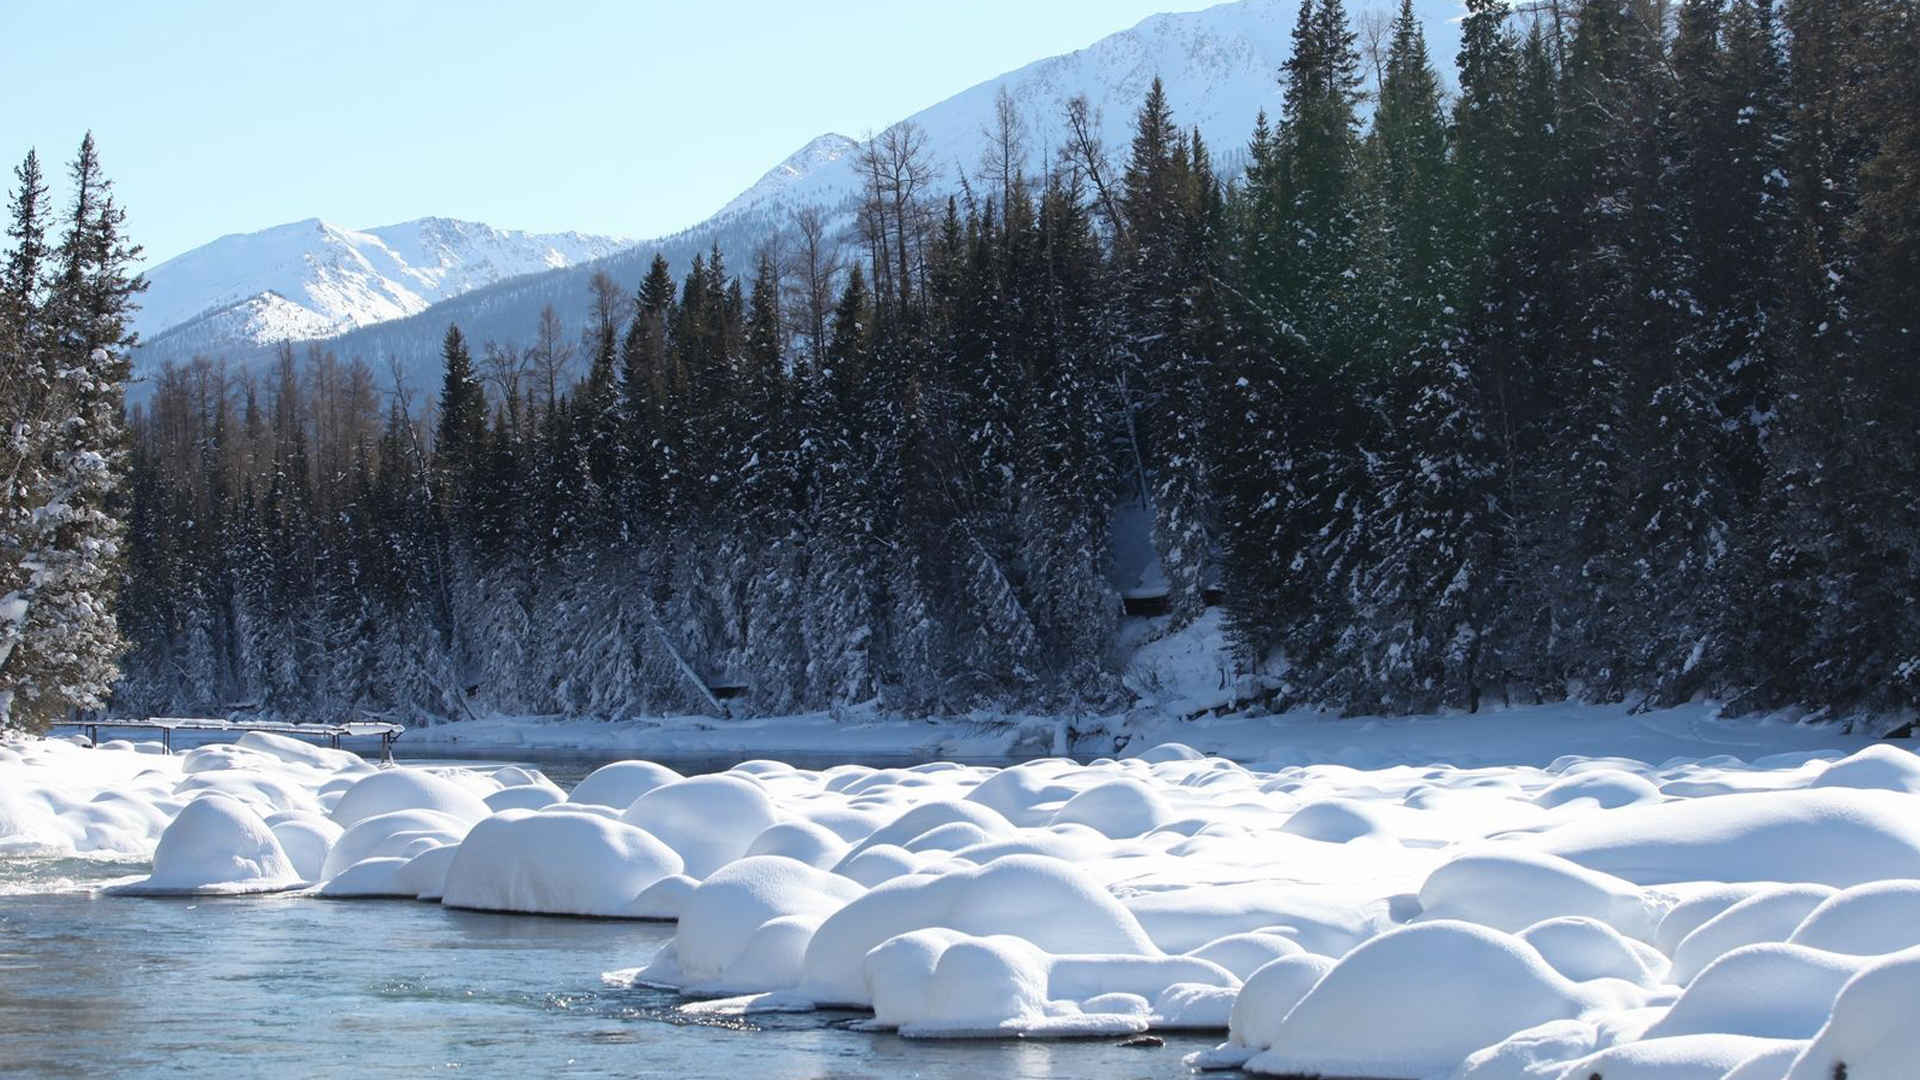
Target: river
(97, 986)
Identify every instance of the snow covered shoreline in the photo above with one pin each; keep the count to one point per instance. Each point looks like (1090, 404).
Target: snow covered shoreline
(1714, 899)
(1522, 735)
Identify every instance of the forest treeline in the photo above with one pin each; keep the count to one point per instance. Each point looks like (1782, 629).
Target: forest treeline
(1594, 378)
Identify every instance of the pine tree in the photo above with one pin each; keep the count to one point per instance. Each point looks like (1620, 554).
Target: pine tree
(60, 537)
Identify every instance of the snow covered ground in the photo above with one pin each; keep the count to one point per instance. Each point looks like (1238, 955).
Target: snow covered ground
(1551, 892)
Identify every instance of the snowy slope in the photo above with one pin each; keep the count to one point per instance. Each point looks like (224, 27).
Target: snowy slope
(1221, 66)
(312, 279)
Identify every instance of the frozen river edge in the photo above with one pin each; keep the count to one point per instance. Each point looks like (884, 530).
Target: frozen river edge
(1365, 900)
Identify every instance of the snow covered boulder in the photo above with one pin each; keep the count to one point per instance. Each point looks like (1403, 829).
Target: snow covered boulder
(396, 834)
(1025, 795)
(1415, 1002)
(1118, 809)
(1773, 991)
(217, 845)
(928, 816)
(1244, 954)
(1683, 1057)
(815, 845)
(424, 877)
(306, 838)
(1866, 920)
(407, 789)
(555, 864)
(1770, 915)
(1881, 766)
(709, 820)
(524, 797)
(1337, 821)
(1050, 903)
(1513, 889)
(618, 784)
(1686, 916)
(1581, 949)
(1606, 789)
(1871, 1034)
(719, 943)
(991, 986)
(370, 879)
(1835, 836)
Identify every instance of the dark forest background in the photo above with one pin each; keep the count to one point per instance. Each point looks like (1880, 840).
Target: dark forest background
(1594, 379)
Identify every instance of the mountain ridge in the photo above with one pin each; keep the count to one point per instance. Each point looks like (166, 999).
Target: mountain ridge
(1220, 65)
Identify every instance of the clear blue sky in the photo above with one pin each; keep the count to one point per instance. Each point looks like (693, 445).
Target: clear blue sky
(635, 117)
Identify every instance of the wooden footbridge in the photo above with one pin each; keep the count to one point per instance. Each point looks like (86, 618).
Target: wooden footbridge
(167, 725)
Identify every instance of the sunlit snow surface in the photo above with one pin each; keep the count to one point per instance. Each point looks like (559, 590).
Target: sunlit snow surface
(1367, 911)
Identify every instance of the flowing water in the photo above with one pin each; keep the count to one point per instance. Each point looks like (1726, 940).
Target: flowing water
(117, 986)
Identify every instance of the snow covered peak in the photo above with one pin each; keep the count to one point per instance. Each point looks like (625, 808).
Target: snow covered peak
(313, 279)
(822, 153)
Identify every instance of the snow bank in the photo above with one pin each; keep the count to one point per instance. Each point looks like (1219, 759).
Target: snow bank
(555, 864)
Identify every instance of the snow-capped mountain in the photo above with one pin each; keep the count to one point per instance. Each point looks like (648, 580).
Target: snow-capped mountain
(1220, 66)
(311, 279)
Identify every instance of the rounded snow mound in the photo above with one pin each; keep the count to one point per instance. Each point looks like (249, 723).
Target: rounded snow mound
(1687, 916)
(1053, 904)
(1879, 766)
(1774, 991)
(1336, 821)
(1609, 789)
(709, 820)
(407, 789)
(1167, 751)
(396, 834)
(306, 838)
(618, 784)
(1834, 836)
(524, 797)
(1582, 948)
(1118, 809)
(1021, 793)
(1866, 920)
(723, 942)
(1270, 994)
(805, 841)
(1871, 1034)
(1683, 1057)
(1513, 889)
(1244, 954)
(555, 864)
(1771, 915)
(929, 816)
(1415, 1002)
(217, 845)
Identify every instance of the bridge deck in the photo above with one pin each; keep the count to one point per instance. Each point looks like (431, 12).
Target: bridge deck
(167, 725)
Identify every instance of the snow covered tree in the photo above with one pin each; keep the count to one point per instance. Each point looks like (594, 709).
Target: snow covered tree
(60, 521)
